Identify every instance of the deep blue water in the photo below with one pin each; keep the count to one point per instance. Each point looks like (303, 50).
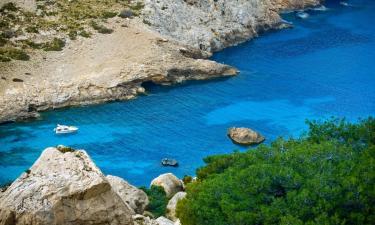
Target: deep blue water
(323, 67)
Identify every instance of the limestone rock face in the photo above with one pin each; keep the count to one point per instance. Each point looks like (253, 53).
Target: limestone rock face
(134, 197)
(214, 25)
(244, 136)
(171, 207)
(164, 221)
(169, 182)
(63, 188)
(100, 69)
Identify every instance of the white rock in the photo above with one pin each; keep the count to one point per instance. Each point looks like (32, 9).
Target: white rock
(164, 221)
(63, 188)
(169, 182)
(214, 25)
(134, 197)
(171, 207)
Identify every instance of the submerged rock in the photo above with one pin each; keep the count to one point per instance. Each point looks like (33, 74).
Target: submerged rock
(244, 136)
(169, 182)
(63, 188)
(171, 207)
(134, 197)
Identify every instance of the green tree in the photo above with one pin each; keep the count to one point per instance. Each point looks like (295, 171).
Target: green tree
(325, 177)
(158, 200)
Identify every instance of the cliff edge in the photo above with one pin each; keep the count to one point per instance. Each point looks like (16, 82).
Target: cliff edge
(75, 53)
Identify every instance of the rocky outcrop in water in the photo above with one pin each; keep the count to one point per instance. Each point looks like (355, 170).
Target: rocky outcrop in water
(213, 25)
(244, 136)
(63, 188)
(169, 182)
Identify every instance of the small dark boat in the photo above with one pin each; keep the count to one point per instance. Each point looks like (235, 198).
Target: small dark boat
(169, 162)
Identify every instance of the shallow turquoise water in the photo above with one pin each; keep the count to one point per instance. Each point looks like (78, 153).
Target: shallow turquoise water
(323, 67)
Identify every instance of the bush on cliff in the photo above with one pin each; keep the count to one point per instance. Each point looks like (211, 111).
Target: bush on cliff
(157, 200)
(324, 177)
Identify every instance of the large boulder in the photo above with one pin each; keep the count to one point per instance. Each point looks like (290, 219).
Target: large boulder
(169, 182)
(134, 197)
(63, 187)
(244, 136)
(171, 207)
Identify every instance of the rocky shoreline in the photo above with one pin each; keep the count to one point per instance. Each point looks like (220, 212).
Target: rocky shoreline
(64, 186)
(168, 44)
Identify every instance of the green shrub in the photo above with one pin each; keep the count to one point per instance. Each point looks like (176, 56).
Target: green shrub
(55, 45)
(64, 149)
(85, 34)
(325, 177)
(100, 28)
(13, 53)
(187, 179)
(9, 6)
(32, 29)
(157, 200)
(72, 35)
(33, 44)
(108, 14)
(4, 58)
(2, 41)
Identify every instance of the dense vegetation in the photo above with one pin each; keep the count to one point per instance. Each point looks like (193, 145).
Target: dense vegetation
(325, 177)
(158, 200)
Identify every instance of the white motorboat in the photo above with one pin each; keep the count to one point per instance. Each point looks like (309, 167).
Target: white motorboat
(302, 15)
(63, 129)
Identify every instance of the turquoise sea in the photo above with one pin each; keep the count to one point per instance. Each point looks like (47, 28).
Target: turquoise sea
(323, 67)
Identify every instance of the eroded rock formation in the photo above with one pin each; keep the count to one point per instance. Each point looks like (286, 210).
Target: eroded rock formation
(244, 136)
(63, 188)
(213, 25)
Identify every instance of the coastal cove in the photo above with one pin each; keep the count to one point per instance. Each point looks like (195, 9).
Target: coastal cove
(322, 67)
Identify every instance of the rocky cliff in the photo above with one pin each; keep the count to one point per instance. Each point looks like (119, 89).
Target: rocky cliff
(99, 69)
(64, 187)
(167, 44)
(212, 25)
